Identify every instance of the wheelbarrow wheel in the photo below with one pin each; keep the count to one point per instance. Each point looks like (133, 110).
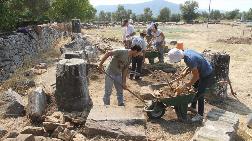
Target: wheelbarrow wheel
(156, 110)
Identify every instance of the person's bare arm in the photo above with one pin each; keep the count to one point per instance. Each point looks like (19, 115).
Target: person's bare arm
(104, 58)
(195, 77)
(162, 35)
(144, 55)
(133, 34)
(124, 75)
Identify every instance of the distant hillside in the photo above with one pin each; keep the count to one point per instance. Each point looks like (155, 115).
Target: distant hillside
(155, 6)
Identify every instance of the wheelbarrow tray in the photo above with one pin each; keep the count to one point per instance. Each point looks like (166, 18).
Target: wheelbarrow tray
(178, 100)
(151, 54)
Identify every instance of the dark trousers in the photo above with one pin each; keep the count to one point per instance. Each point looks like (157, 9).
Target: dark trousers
(201, 86)
(137, 63)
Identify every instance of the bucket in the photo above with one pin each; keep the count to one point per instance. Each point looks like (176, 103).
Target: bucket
(180, 46)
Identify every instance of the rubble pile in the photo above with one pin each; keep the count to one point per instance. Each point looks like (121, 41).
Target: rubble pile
(237, 40)
(80, 44)
(56, 127)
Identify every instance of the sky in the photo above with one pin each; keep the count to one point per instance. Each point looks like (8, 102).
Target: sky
(226, 5)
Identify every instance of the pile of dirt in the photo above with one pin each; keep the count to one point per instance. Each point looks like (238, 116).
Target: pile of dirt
(237, 40)
(113, 39)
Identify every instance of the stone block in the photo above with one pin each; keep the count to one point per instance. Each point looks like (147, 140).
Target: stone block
(36, 104)
(11, 104)
(116, 122)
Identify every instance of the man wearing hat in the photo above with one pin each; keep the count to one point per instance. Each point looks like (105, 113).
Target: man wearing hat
(138, 61)
(128, 33)
(202, 73)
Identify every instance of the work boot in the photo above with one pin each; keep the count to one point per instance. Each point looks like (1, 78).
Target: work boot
(197, 118)
(193, 110)
(131, 76)
(121, 104)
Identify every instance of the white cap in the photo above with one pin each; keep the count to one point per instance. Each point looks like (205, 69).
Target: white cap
(175, 55)
(130, 21)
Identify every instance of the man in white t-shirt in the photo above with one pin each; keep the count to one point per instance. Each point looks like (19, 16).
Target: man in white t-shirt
(158, 42)
(137, 62)
(128, 33)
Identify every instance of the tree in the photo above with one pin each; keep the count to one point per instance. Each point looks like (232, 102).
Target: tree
(133, 16)
(175, 17)
(231, 15)
(188, 10)
(102, 16)
(248, 15)
(37, 9)
(164, 15)
(147, 14)
(215, 15)
(11, 12)
(121, 13)
(65, 10)
(140, 18)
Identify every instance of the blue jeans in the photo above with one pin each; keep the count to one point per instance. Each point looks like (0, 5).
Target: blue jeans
(136, 69)
(160, 48)
(108, 88)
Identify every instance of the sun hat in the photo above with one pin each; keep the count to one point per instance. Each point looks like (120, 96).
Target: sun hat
(175, 55)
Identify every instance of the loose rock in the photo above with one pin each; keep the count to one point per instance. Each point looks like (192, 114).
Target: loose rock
(50, 126)
(36, 104)
(3, 132)
(13, 134)
(11, 104)
(36, 131)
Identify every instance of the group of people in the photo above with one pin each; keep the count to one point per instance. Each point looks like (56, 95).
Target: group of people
(134, 52)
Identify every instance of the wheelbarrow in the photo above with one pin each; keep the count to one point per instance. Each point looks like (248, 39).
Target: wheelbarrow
(158, 106)
(151, 55)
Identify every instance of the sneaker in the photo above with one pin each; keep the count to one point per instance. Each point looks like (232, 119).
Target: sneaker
(197, 118)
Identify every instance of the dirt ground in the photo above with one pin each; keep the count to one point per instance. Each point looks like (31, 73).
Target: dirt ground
(197, 37)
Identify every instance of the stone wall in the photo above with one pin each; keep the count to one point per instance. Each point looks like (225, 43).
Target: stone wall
(16, 47)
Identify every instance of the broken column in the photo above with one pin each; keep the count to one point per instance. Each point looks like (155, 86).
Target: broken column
(220, 63)
(72, 85)
(36, 104)
(76, 26)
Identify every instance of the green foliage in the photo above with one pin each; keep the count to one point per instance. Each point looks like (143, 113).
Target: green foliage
(147, 14)
(248, 15)
(175, 17)
(231, 15)
(215, 15)
(10, 13)
(164, 15)
(105, 16)
(65, 10)
(188, 10)
(16, 12)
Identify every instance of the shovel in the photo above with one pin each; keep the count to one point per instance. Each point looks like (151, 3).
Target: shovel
(134, 94)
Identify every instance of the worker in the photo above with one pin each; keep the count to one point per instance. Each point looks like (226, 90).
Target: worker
(202, 74)
(158, 42)
(117, 69)
(138, 61)
(149, 35)
(128, 33)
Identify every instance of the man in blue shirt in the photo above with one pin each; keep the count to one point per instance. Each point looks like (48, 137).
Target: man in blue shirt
(202, 72)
